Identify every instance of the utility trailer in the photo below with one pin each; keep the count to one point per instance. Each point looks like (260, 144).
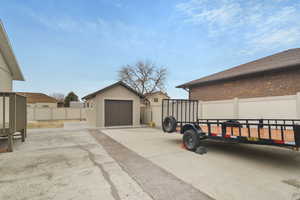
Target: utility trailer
(181, 116)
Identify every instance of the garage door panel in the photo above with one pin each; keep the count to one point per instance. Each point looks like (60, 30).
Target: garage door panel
(118, 112)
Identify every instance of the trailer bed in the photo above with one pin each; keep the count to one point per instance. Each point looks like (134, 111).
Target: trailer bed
(279, 132)
(288, 136)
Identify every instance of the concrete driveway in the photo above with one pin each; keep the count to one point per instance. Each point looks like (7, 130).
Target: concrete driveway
(64, 164)
(227, 171)
(142, 164)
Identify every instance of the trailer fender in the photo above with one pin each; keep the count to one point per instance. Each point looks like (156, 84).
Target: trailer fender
(195, 128)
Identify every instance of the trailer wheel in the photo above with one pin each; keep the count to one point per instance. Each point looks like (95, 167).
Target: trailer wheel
(169, 124)
(191, 140)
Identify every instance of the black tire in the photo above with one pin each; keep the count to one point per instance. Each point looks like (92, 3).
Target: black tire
(169, 124)
(191, 140)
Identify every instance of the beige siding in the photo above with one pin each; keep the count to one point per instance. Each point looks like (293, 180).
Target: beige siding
(5, 76)
(117, 93)
(96, 114)
(91, 112)
(159, 96)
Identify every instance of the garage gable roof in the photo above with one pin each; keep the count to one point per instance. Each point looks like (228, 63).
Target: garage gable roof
(120, 83)
(286, 59)
(9, 56)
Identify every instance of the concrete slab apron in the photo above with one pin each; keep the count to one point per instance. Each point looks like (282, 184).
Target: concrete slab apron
(61, 165)
(154, 180)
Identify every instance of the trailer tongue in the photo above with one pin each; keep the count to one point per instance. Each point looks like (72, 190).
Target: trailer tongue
(182, 116)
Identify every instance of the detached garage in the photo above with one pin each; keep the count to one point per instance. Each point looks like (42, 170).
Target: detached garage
(115, 105)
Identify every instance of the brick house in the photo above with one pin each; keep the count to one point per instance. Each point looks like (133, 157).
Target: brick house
(275, 75)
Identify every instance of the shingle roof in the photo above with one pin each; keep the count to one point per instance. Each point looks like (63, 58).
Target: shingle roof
(111, 86)
(37, 97)
(282, 60)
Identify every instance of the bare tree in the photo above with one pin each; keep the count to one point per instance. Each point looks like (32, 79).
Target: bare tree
(58, 96)
(144, 77)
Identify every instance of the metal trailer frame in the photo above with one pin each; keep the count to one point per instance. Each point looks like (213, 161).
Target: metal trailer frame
(187, 122)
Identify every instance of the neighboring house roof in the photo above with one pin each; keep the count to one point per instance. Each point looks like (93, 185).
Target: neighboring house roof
(37, 97)
(283, 60)
(158, 92)
(120, 83)
(9, 56)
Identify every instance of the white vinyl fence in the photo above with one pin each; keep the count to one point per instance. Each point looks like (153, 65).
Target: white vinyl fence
(279, 107)
(151, 114)
(34, 114)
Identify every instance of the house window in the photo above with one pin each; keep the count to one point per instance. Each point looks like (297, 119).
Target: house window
(156, 100)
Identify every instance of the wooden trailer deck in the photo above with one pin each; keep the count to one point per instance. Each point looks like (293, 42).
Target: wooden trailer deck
(259, 133)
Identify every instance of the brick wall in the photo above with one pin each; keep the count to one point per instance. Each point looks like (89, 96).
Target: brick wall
(269, 84)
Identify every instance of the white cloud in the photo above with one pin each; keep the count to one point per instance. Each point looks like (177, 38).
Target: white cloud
(68, 24)
(275, 39)
(198, 12)
(260, 25)
(116, 31)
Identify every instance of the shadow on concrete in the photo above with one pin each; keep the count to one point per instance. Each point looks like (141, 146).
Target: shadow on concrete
(269, 155)
(275, 156)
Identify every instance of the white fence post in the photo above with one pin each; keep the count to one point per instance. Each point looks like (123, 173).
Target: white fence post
(51, 113)
(236, 108)
(80, 117)
(66, 113)
(200, 110)
(34, 113)
(298, 104)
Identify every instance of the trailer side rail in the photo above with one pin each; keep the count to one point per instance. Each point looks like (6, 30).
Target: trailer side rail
(251, 132)
(280, 132)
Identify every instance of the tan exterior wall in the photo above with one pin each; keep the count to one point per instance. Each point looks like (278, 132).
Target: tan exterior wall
(159, 96)
(5, 76)
(96, 114)
(91, 114)
(271, 84)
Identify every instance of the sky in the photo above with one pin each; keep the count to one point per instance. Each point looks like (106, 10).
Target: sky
(79, 45)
